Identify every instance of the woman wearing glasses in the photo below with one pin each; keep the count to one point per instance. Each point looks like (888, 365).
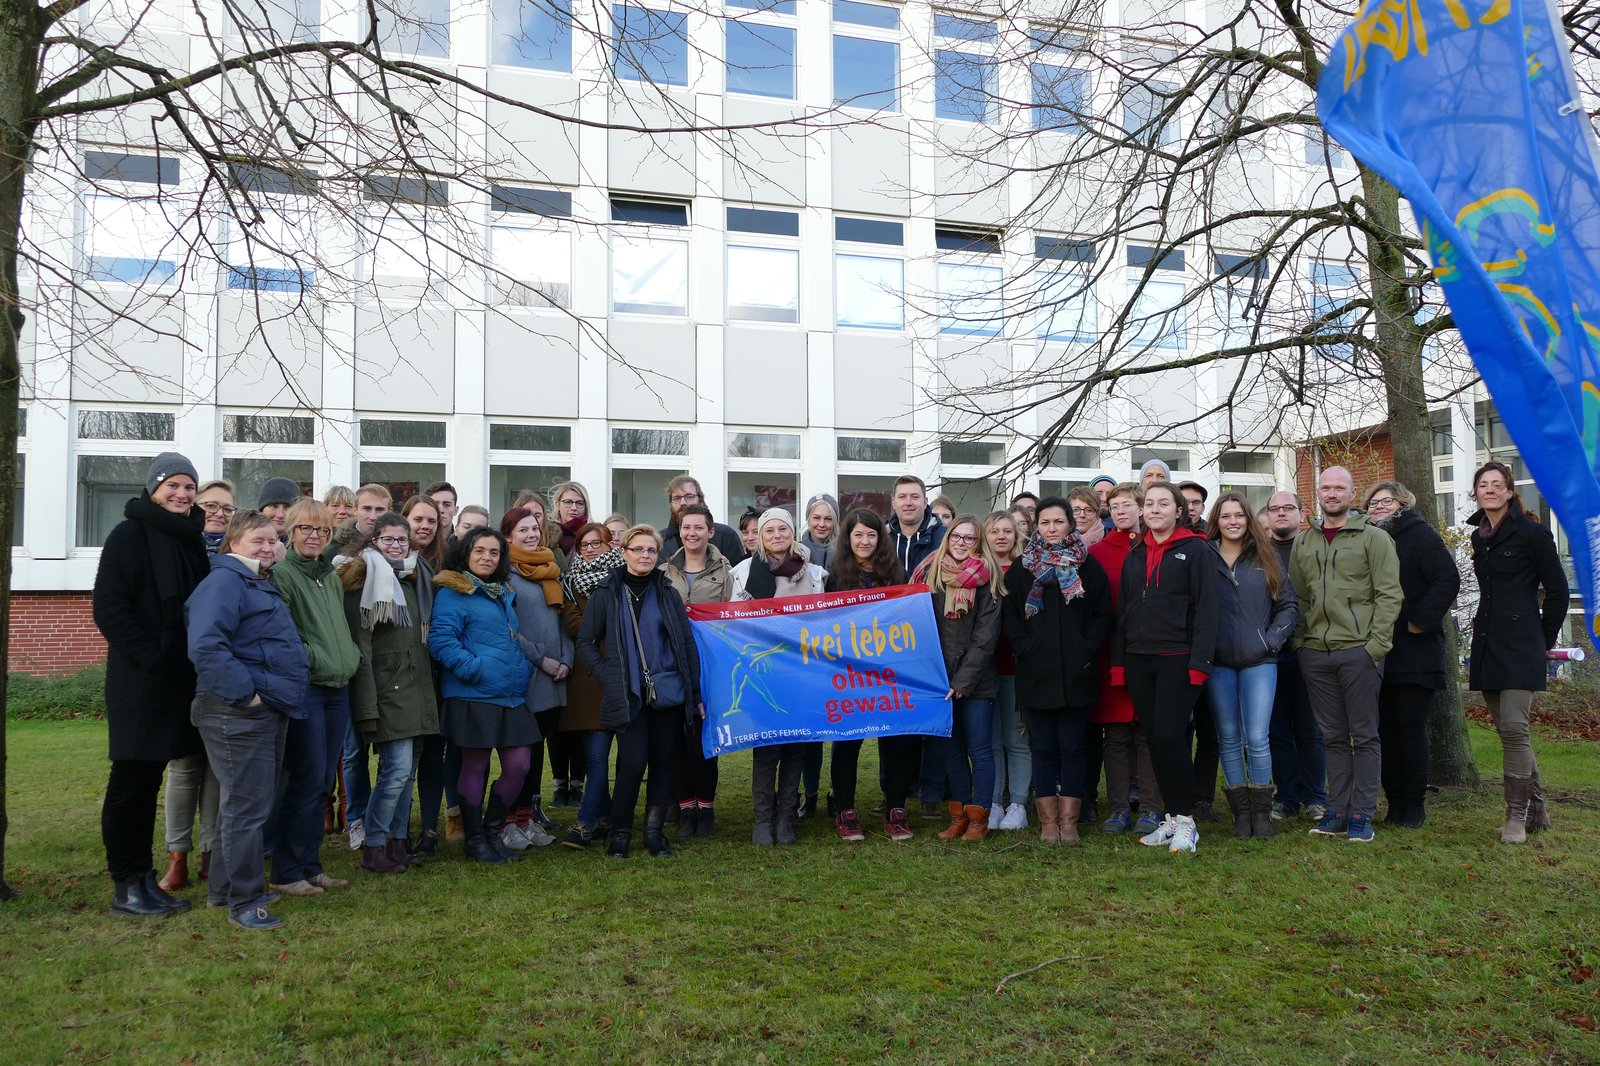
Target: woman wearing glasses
(635, 640)
(315, 599)
(1414, 668)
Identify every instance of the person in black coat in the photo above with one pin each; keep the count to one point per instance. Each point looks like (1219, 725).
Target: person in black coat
(149, 565)
(1514, 557)
(635, 640)
(1056, 614)
(1414, 668)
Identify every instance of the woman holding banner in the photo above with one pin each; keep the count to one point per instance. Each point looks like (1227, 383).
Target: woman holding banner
(635, 639)
(1057, 614)
(780, 567)
(966, 581)
(865, 559)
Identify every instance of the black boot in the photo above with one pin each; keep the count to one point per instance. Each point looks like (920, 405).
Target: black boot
(764, 804)
(157, 895)
(1239, 804)
(621, 840)
(476, 845)
(1260, 799)
(808, 807)
(545, 821)
(688, 823)
(129, 899)
(655, 841)
(494, 823)
(705, 821)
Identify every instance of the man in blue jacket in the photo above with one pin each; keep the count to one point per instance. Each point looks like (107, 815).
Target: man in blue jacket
(916, 529)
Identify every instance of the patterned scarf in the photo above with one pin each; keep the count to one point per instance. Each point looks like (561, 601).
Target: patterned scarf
(382, 600)
(960, 580)
(582, 578)
(539, 565)
(1053, 564)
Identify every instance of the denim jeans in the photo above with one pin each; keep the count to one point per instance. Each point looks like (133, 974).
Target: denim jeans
(357, 780)
(1241, 706)
(191, 787)
(1299, 762)
(596, 788)
(245, 748)
(1013, 760)
(969, 751)
(311, 750)
(389, 808)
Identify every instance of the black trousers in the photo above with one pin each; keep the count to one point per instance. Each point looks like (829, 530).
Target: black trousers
(648, 742)
(128, 818)
(1403, 736)
(1206, 756)
(694, 775)
(1094, 754)
(1164, 701)
(899, 759)
(842, 773)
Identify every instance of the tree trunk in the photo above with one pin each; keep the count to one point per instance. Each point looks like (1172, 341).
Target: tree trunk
(1400, 355)
(20, 28)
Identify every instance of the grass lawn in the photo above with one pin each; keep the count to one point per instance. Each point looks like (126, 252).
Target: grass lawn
(1440, 944)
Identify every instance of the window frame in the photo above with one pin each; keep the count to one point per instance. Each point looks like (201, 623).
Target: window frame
(499, 288)
(781, 467)
(109, 448)
(869, 33)
(635, 62)
(505, 458)
(651, 233)
(975, 54)
(495, 38)
(850, 248)
(762, 241)
(768, 19)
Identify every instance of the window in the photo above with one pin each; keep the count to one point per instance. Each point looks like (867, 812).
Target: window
(114, 449)
(758, 220)
(650, 442)
(250, 475)
(269, 22)
(868, 231)
(866, 69)
(1157, 316)
(870, 292)
(1234, 298)
(1175, 458)
(403, 479)
(127, 166)
(976, 496)
(125, 425)
(1146, 117)
(874, 492)
(763, 445)
(401, 433)
(964, 70)
(763, 279)
(1143, 255)
(412, 27)
(764, 471)
(871, 450)
(1332, 285)
(274, 252)
(760, 59)
(509, 436)
(771, 7)
(650, 46)
(972, 453)
(519, 200)
(1064, 289)
(970, 299)
(878, 16)
(1060, 97)
(1236, 462)
(649, 276)
(18, 510)
(129, 240)
(404, 259)
(508, 481)
(1075, 457)
(399, 189)
(639, 488)
(525, 457)
(267, 429)
(1321, 151)
(530, 267)
(532, 33)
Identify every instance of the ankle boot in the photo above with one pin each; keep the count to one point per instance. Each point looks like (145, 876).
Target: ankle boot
(153, 892)
(977, 822)
(1515, 831)
(705, 821)
(688, 821)
(494, 823)
(205, 865)
(398, 852)
(177, 875)
(655, 841)
(783, 829)
(130, 900)
(1259, 799)
(1239, 804)
(958, 821)
(473, 841)
(621, 840)
(1067, 810)
(375, 860)
(1049, 808)
(1538, 816)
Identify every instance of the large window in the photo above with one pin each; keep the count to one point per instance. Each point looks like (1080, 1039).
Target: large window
(1234, 298)
(1059, 74)
(644, 460)
(256, 447)
(412, 27)
(404, 454)
(869, 274)
(764, 471)
(1332, 286)
(1147, 111)
(273, 22)
(1063, 289)
(866, 61)
(964, 70)
(405, 256)
(760, 58)
(1156, 317)
(650, 258)
(274, 252)
(527, 456)
(114, 449)
(649, 45)
(970, 282)
(532, 33)
(763, 270)
(130, 239)
(530, 253)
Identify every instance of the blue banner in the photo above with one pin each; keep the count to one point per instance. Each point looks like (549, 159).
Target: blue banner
(839, 666)
(1470, 109)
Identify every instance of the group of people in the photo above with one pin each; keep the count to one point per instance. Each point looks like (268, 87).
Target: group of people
(263, 659)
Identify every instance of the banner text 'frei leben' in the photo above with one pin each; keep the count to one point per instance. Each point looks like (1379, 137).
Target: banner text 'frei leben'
(835, 666)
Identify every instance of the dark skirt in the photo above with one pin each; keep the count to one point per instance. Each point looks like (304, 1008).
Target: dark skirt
(470, 724)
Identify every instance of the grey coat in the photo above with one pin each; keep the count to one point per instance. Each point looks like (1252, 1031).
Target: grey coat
(543, 636)
(1252, 627)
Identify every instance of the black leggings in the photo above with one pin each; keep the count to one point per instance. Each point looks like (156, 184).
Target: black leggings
(128, 818)
(1164, 699)
(648, 742)
(899, 759)
(842, 773)
(694, 775)
(1403, 734)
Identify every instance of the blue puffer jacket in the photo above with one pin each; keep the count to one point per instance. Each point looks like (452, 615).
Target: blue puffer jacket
(243, 641)
(473, 636)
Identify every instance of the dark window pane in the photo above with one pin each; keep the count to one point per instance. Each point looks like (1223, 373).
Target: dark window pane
(1247, 463)
(259, 178)
(124, 425)
(1079, 456)
(653, 212)
(18, 508)
(868, 231)
(757, 220)
(1175, 458)
(1241, 267)
(952, 239)
(267, 429)
(650, 442)
(394, 189)
(249, 475)
(956, 28)
(872, 450)
(554, 203)
(105, 485)
(1140, 254)
(397, 433)
(1064, 248)
(514, 438)
(127, 166)
(972, 453)
(764, 445)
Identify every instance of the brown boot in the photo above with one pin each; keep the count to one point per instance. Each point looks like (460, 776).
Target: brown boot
(397, 852)
(1049, 808)
(1515, 831)
(958, 821)
(205, 865)
(375, 860)
(1068, 808)
(1538, 816)
(177, 875)
(330, 816)
(453, 831)
(977, 823)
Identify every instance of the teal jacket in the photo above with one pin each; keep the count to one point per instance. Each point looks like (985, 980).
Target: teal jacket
(316, 601)
(1348, 590)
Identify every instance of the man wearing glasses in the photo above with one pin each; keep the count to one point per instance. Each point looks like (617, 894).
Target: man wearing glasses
(682, 491)
(1299, 765)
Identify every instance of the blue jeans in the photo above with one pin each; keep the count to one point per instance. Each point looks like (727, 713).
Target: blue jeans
(389, 808)
(357, 781)
(310, 754)
(1241, 706)
(245, 748)
(596, 787)
(1299, 760)
(969, 752)
(1013, 766)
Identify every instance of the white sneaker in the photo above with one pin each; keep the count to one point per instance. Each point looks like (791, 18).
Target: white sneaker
(1016, 817)
(358, 834)
(997, 816)
(1162, 833)
(514, 837)
(1185, 836)
(536, 836)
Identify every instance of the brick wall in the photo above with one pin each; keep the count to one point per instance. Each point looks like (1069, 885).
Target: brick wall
(53, 633)
(1369, 455)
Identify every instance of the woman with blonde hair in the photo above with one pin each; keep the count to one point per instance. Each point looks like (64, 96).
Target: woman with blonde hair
(1013, 767)
(967, 583)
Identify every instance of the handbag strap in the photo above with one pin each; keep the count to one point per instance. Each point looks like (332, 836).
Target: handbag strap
(644, 664)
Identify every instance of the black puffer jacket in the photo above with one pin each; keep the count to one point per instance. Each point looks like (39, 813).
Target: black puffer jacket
(1511, 631)
(1058, 649)
(1252, 626)
(1175, 611)
(600, 645)
(1429, 581)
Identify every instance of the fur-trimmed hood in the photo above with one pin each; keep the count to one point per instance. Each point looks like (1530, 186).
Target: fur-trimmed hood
(353, 574)
(455, 581)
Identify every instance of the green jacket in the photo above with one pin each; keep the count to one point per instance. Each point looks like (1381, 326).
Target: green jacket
(392, 695)
(316, 601)
(1349, 590)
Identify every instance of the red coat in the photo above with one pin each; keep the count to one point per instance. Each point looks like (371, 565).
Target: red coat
(1115, 705)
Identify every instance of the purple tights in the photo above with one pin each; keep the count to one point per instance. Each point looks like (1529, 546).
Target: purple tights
(514, 764)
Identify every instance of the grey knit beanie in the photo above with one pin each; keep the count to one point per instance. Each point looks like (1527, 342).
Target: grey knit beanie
(278, 490)
(168, 465)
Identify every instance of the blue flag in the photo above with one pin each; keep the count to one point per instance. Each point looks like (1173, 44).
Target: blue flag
(839, 666)
(1470, 109)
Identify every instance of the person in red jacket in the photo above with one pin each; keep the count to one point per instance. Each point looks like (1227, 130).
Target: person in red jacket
(1163, 646)
(1127, 750)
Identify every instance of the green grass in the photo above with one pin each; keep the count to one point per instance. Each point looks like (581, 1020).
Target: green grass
(81, 694)
(1441, 944)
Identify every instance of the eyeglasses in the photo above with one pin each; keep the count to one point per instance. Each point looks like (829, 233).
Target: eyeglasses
(1282, 508)
(586, 545)
(963, 538)
(394, 542)
(684, 497)
(641, 549)
(213, 507)
(1382, 501)
(314, 531)
(1086, 512)
(569, 501)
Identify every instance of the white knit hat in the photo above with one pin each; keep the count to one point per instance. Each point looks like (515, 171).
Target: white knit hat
(776, 514)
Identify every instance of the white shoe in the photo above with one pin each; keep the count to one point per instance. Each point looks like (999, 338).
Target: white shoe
(1162, 833)
(1016, 817)
(535, 835)
(514, 837)
(1185, 835)
(997, 816)
(358, 834)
